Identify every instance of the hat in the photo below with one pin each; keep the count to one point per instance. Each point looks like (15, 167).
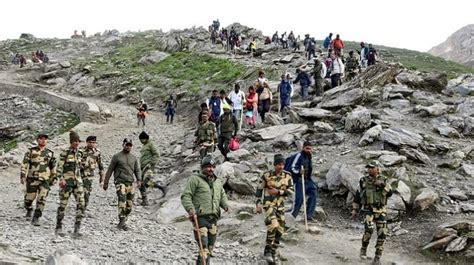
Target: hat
(143, 135)
(91, 138)
(207, 160)
(278, 159)
(373, 163)
(127, 141)
(42, 135)
(73, 136)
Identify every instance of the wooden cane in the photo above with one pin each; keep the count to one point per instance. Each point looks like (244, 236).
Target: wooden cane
(304, 199)
(201, 249)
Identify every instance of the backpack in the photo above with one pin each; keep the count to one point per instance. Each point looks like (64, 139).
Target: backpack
(234, 144)
(288, 161)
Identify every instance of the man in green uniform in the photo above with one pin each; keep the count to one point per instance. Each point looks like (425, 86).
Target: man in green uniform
(70, 166)
(148, 158)
(228, 128)
(275, 185)
(92, 160)
(372, 196)
(203, 197)
(124, 166)
(206, 136)
(319, 73)
(38, 172)
(352, 66)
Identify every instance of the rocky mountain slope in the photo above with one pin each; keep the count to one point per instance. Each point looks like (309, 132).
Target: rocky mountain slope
(418, 124)
(459, 47)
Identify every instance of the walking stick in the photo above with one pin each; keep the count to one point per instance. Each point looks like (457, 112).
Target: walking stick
(304, 199)
(201, 249)
(279, 100)
(241, 118)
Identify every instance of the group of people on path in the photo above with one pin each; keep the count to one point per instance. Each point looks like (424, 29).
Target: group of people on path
(74, 171)
(229, 39)
(36, 57)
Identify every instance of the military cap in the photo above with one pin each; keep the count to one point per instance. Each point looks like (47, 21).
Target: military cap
(73, 136)
(278, 159)
(143, 135)
(42, 135)
(207, 160)
(91, 138)
(127, 141)
(373, 163)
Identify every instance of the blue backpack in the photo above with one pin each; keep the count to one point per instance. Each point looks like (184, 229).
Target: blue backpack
(288, 162)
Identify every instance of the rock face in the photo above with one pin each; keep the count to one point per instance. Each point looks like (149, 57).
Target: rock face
(62, 257)
(425, 199)
(342, 96)
(433, 81)
(343, 175)
(154, 57)
(390, 160)
(401, 137)
(458, 47)
(463, 85)
(273, 132)
(314, 113)
(371, 135)
(235, 179)
(357, 120)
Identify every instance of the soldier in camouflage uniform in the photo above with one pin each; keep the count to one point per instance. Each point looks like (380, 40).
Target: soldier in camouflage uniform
(92, 159)
(70, 169)
(124, 166)
(274, 186)
(372, 196)
(206, 136)
(352, 66)
(38, 172)
(148, 158)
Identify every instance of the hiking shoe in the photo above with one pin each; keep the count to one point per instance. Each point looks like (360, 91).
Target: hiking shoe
(269, 258)
(311, 220)
(122, 225)
(77, 228)
(164, 190)
(29, 212)
(59, 229)
(144, 202)
(35, 221)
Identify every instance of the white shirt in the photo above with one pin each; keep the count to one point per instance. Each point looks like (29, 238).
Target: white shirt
(337, 67)
(237, 99)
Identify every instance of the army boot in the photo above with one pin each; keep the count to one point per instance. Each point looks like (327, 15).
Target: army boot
(163, 189)
(29, 212)
(269, 257)
(363, 253)
(122, 225)
(35, 221)
(377, 261)
(59, 228)
(77, 228)
(144, 201)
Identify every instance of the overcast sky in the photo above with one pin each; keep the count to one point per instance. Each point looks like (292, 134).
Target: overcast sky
(411, 24)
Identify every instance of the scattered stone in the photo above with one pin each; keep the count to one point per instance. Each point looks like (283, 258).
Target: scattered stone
(440, 243)
(448, 132)
(320, 214)
(357, 120)
(324, 127)
(65, 64)
(434, 110)
(154, 57)
(314, 113)
(390, 160)
(371, 135)
(457, 244)
(467, 170)
(342, 97)
(63, 257)
(314, 230)
(400, 137)
(425, 199)
(415, 155)
(442, 232)
(273, 132)
(457, 195)
(377, 153)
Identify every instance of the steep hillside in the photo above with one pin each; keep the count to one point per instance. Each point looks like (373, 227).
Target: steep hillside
(459, 47)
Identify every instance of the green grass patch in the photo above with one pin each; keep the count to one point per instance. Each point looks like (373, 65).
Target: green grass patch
(7, 145)
(69, 123)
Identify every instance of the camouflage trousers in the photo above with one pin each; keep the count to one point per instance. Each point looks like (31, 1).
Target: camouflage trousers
(125, 194)
(208, 233)
(351, 74)
(39, 190)
(87, 181)
(275, 222)
(147, 176)
(375, 218)
(77, 189)
(205, 150)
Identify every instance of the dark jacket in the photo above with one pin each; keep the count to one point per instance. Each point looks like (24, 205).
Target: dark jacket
(124, 166)
(228, 123)
(294, 163)
(303, 78)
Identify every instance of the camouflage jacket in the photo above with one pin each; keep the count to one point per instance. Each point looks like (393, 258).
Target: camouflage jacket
(370, 195)
(92, 159)
(352, 64)
(71, 165)
(282, 182)
(39, 164)
(148, 156)
(206, 133)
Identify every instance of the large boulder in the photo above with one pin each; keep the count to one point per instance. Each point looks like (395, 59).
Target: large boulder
(435, 110)
(467, 107)
(415, 155)
(395, 206)
(390, 160)
(238, 155)
(432, 82)
(343, 175)
(314, 113)
(357, 120)
(467, 170)
(235, 179)
(404, 191)
(463, 85)
(154, 57)
(270, 133)
(60, 257)
(379, 75)
(323, 127)
(371, 135)
(425, 199)
(401, 137)
(342, 96)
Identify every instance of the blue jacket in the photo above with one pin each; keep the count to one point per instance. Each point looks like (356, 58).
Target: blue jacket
(294, 163)
(304, 79)
(327, 41)
(285, 93)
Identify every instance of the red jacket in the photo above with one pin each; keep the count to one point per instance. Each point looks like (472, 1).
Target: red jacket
(338, 44)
